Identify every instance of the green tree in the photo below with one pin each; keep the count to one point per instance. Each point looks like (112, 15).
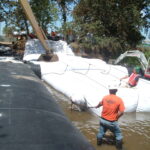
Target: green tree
(8, 31)
(14, 15)
(65, 11)
(5, 10)
(64, 6)
(119, 20)
(1, 12)
(19, 18)
(44, 10)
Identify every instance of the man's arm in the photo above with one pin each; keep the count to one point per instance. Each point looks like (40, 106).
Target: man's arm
(96, 106)
(121, 109)
(124, 77)
(99, 105)
(119, 114)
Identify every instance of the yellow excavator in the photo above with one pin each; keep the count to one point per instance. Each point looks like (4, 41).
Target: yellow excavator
(48, 56)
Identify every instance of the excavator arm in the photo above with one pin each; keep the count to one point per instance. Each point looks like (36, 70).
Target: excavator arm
(142, 59)
(134, 53)
(38, 30)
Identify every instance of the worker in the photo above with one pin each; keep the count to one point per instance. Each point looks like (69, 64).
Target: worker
(133, 78)
(113, 109)
(53, 34)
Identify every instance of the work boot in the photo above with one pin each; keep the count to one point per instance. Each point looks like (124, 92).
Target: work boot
(119, 144)
(99, 141)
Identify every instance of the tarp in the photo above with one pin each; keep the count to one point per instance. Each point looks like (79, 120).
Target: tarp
(30, 119)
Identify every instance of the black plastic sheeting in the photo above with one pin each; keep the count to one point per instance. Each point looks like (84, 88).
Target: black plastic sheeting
(35, 68)
(30, 119)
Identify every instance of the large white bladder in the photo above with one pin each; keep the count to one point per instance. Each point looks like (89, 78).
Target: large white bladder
(85, 81)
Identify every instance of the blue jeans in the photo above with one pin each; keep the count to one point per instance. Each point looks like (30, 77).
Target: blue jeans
(112, 126)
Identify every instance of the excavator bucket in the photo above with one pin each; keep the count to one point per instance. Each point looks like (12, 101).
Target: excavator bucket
(48, 57)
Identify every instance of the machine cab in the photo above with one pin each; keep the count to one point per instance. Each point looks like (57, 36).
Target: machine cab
(147, 70)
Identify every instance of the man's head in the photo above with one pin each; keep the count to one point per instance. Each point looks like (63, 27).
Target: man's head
(113, 87)
(137, 70)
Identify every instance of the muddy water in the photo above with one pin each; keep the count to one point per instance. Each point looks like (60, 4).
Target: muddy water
(135, 126)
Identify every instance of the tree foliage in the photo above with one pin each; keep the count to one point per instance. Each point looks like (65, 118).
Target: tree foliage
(120, 20)
(101, 25)
(6, 10)
(64, 6)
(65, 11)
(44, 10)
(8, 30)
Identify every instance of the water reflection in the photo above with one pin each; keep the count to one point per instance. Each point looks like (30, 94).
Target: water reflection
(135, 126)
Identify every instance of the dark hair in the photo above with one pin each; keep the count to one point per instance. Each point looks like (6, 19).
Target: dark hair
(113, 91)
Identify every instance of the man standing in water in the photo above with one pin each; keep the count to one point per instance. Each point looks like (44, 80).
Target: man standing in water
(113, 109)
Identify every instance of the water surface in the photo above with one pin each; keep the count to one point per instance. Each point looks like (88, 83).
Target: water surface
(135, 126)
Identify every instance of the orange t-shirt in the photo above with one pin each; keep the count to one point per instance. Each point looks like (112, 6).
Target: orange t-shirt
(111, 105)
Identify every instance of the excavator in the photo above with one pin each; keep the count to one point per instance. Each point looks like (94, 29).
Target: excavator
(48, 56)
(145, 63)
